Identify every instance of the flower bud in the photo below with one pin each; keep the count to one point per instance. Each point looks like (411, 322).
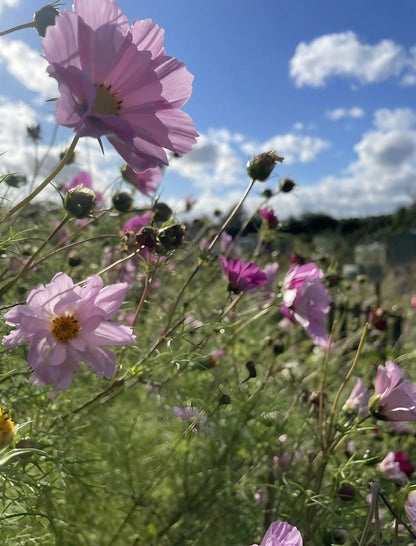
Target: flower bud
(15, 180)
(44, 18)
(144, 238)
(71, 158)
(74, 259)
(161, 212)
(262, 165)
(267, 193)
(286, 185)
(346, 492)
(33, 132)
(122, 201)
(80, 201)
(171, 237)
(26, 443)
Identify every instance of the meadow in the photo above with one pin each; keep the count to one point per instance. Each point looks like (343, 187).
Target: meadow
(173, 382)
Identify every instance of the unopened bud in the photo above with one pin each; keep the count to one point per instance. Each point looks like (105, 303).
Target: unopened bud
(74, 259)
(80, 201)
(44, 18)
(71, 159)
(286, 185)
(161, 212)
(33, 132)
(267, 193)
(122, 201)
(171, 237)
(262, 165)
(346, 492)
(26, 443)
(15, 180)
(144, 238)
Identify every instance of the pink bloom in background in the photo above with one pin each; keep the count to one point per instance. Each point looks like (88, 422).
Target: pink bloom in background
(270, 217)
(137, 222)
(146, 182)
(281, 533)
(396, 466)
(393, 399)
(116, 81)
(242, 276)
(306, 301)
(189, 203)
(410, 508)
(357, 402)
(85, 179)
(64, 324)
(413, 301)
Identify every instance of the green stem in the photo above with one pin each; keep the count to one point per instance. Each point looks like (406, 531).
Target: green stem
(19, 27)
(48, 179)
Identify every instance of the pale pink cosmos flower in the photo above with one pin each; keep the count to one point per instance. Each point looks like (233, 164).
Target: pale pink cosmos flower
(281, 533)
(393, 399)
(396, 466)
(357, 402)
(306, 301)
(66, 323)
(116, 81)
(410, 508)
(242, 276)
(85, 179)
(413, 301)
(146, 182)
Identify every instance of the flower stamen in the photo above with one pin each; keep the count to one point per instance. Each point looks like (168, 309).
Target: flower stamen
(65, 328)
(106, 102)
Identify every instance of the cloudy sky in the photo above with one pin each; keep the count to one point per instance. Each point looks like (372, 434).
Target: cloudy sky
(330, 85)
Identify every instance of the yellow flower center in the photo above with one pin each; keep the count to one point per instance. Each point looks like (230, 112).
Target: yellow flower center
(106, 102)
(7, 428)
(64, 328)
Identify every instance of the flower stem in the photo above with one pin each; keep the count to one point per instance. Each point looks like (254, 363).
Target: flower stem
(53, 174)
(31, 24)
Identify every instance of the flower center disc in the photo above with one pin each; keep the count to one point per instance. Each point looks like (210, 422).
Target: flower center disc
(105, 102)
(64, 328)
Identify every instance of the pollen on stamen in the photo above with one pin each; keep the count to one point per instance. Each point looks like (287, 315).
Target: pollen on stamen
(65, 328)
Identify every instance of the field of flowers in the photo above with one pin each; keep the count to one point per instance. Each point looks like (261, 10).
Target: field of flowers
(174, 384)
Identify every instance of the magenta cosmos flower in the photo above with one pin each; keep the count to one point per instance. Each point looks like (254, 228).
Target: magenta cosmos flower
(357, 402)
(116, 81)
(64, 324)
(393, 399)
(396, 466)
(281, 533)
(306, 301)
(270, 217)
(242, 276)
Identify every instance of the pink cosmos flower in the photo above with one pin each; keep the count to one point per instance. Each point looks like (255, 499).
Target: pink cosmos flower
(242, 276)
(116, 81)
(146, 182)
(281, 533)
(357, 402)
(270, 217)
(413, 301)
(85, 179)
(396, 466)
(306, 301)
(64, 324)
(410, 508)
(393, 399)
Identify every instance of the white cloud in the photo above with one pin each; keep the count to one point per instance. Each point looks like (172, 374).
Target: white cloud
(8, 3)
(293, 147)
(339, 113)
(28, 67)
(343, 54)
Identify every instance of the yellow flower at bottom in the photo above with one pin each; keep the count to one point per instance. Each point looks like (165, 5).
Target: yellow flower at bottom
(7, 428)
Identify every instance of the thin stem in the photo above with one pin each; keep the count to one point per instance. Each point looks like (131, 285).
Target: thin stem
(210, 247)
(31, 24)
(29, 263)
(48, 179)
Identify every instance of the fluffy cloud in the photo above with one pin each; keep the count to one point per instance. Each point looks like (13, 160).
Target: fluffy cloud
(28, 67)
(293, 147)
(339, 113)
(8, 3)
(343, 54)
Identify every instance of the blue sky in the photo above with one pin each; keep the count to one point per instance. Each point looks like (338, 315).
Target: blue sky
(329, 84)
